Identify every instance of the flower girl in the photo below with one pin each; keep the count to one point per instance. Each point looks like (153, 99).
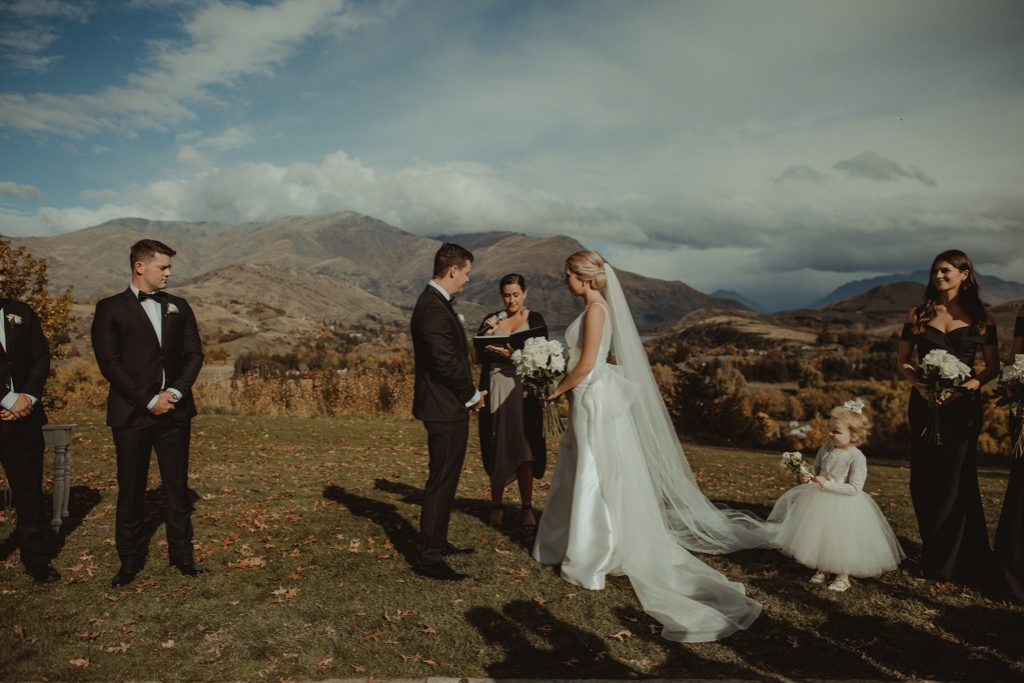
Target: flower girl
(828, 522)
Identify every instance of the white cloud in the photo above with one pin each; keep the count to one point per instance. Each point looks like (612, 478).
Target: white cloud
(28, 192)
(27, 35)
(190, 156)
(225, 43)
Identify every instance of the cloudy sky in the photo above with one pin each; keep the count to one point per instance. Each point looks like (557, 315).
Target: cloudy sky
(774, 148)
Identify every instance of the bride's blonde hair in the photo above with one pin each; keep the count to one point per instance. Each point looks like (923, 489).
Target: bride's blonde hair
(589, 267)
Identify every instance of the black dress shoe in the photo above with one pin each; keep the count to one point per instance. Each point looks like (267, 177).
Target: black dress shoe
(455, 550)
(188, 568)
(123, 577)
(43, 573)
(439, 571)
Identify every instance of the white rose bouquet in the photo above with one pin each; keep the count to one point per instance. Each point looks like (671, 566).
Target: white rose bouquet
(940, 372)
(1011, 393)
(794, 462)
(541, 365)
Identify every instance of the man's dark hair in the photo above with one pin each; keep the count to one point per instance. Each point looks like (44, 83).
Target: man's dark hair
(449, 255)
(143, 250)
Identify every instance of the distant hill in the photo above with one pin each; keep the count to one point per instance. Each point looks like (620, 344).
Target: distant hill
(285, 276)
(994, 290)
(876, 310)
(736, 296)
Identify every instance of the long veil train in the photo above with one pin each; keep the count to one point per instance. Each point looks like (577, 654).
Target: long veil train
(691, 518)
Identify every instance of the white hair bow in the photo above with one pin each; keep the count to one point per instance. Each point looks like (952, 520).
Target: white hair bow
(856, 405)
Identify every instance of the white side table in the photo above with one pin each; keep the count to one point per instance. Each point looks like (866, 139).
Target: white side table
(59, 436)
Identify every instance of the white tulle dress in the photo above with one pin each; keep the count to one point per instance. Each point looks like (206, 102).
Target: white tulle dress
(835, 527)
(606, 513)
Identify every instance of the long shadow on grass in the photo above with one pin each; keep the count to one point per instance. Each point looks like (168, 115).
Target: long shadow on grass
(400, 532)
(569, 652)
(81, 500)
(473, 507)
(828, 637)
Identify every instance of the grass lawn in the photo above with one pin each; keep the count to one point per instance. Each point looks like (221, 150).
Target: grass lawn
(305, 527)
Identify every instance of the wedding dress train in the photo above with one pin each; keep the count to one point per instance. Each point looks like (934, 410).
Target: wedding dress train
(623, 500)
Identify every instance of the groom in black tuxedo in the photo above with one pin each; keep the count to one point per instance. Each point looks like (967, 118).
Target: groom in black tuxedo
(24, 365)
(147, 346)
(443, 396)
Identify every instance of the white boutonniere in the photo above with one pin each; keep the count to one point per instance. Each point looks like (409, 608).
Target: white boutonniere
(171, 308)
(14, 319)
(462, 318)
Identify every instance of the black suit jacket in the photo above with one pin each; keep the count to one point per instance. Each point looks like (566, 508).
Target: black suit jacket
(28, 361)
(132, 360)
(444, 379)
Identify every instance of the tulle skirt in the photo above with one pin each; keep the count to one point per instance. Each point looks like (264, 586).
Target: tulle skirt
(833, 532)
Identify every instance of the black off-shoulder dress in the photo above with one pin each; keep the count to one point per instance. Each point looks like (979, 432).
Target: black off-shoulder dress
(944, 478)
(1010, 532)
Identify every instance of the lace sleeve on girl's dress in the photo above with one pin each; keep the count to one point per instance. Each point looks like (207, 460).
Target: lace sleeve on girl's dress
(907, 334)
(1018, 327)
(854, 479)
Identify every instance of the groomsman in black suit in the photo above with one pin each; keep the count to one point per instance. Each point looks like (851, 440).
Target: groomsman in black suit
(443, 396)
(147, 345)
(24, 365)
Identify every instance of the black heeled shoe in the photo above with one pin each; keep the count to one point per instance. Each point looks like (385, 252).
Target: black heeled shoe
(529, 523)
(497, 516)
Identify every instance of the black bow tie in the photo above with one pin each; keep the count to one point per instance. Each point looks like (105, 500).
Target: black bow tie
(158, 297)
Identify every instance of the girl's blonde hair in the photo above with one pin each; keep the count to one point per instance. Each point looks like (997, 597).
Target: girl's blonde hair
(858, 423)
(588, 266)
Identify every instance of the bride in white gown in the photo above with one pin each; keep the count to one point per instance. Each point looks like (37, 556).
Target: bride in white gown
(623, 499)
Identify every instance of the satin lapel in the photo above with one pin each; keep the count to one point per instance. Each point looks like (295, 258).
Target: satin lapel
(134, 307)
(7, 329)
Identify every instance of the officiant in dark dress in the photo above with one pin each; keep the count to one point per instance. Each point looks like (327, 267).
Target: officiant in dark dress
(944, 476)
(511, 426)
(1010, 532)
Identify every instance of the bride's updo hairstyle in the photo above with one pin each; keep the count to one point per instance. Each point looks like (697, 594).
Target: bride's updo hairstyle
(589, 267)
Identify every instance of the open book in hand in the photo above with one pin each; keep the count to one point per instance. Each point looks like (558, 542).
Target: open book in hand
(516, 341)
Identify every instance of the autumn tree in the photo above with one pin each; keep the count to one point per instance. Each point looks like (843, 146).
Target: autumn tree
(27, 281)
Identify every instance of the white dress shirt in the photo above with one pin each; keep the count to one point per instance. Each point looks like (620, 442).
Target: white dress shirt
(8, 400)
(448, 297)
(154, 312)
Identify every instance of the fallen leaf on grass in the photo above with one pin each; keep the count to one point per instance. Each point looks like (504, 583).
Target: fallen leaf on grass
(359, 668)
(375, 636)
(428, 629)
(284, 595)
(248, 563)
(88, 635)
(167, 645)
(325, 663)
(81, 663)
(114, 649)
(622, 635)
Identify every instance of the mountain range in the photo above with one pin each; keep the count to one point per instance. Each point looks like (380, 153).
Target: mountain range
(260, 285)
(272, 280)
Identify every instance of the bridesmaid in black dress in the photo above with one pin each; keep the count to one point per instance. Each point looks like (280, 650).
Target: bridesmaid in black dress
(1010, 533)
(511, 425)
(944, 478)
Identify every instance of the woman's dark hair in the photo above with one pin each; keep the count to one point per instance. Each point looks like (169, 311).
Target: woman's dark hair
(512, 279)
(969, 296)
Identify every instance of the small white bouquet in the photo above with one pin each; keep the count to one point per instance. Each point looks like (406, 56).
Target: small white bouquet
(1011, 393)
(940, 372)
(541, 366)
(794, 462)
